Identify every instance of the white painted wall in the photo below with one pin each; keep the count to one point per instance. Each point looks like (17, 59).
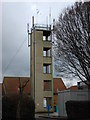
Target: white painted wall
(64, 96)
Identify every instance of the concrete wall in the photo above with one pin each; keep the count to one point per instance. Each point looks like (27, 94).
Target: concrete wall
(40, 94)
(64, 96)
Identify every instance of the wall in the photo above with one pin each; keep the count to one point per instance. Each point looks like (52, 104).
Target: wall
(63, 96)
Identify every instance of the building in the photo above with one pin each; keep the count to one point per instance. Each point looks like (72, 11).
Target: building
(75, 87)
(11, 85)
(58, 85)
(83, 86)
(71, 95)
(41, 66)
(0, 88)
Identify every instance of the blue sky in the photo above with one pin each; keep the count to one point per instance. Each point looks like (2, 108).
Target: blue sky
(15, 16)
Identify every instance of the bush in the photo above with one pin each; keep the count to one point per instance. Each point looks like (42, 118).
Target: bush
(78, 109)
(27, 108)
(10, 105)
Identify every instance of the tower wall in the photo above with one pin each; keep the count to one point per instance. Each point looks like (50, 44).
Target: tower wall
(42, 86)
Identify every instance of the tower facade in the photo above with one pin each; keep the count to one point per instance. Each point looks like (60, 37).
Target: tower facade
(41, 67)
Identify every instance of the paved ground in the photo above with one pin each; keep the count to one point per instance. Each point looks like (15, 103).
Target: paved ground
(44, 119)
(44, 116)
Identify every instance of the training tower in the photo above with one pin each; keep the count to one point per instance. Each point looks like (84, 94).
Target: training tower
(41, 72)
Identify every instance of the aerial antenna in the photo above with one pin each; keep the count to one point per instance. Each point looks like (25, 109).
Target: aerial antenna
(28, 34)
(54, 23)
(47, 21)
(27, 27)
(32, 21)
(50, 16)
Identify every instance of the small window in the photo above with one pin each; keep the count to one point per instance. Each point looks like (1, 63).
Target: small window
(49, 38)
(44, 102)
(47, 85)
(44, 38)
(47, 101)
(47, 52)
(47, 68)
(44, 53)
(44, 69)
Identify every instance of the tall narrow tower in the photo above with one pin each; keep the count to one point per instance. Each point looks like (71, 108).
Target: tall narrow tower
(41, 66)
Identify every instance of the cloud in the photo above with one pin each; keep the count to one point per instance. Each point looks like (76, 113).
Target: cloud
(0, 41)
(39, 1)
(15, 17)
(33, 7)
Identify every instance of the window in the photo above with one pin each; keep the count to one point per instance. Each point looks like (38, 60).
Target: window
(49, 38)
(44, 102)
(46, 52)
(47, 85)
(46, 68)
(44, 38)
(46, 35)
(47, 101)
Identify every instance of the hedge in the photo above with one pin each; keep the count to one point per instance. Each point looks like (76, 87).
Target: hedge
(10, 105)
(27, 108)
(78, 110)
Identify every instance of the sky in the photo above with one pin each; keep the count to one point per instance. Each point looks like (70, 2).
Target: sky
(15, 60)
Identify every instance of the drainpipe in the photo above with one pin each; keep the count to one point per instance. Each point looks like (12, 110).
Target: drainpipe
(33, 58)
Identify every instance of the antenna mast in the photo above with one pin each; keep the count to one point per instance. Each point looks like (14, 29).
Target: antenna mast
(50, 17)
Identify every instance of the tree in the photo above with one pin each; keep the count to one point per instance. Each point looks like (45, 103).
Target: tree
(72, 42)
(21, 89)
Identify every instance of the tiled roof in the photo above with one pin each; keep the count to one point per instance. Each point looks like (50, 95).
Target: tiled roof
(11, 85)
(58, 85)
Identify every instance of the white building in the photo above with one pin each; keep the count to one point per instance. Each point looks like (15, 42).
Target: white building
(67, 95)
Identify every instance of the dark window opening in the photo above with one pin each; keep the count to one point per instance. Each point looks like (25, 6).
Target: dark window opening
(47, 85)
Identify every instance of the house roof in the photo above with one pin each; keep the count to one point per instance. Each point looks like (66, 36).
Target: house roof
(73, 88)
(11, 85)
(58, 85)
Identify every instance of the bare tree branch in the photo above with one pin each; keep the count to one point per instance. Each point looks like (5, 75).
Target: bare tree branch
(72, 42)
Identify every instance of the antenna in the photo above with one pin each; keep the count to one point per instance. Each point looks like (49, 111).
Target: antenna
(54, 24)
(32, 21)
(50, 16)
(28, 33)
(47, 21)
(27, 27)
